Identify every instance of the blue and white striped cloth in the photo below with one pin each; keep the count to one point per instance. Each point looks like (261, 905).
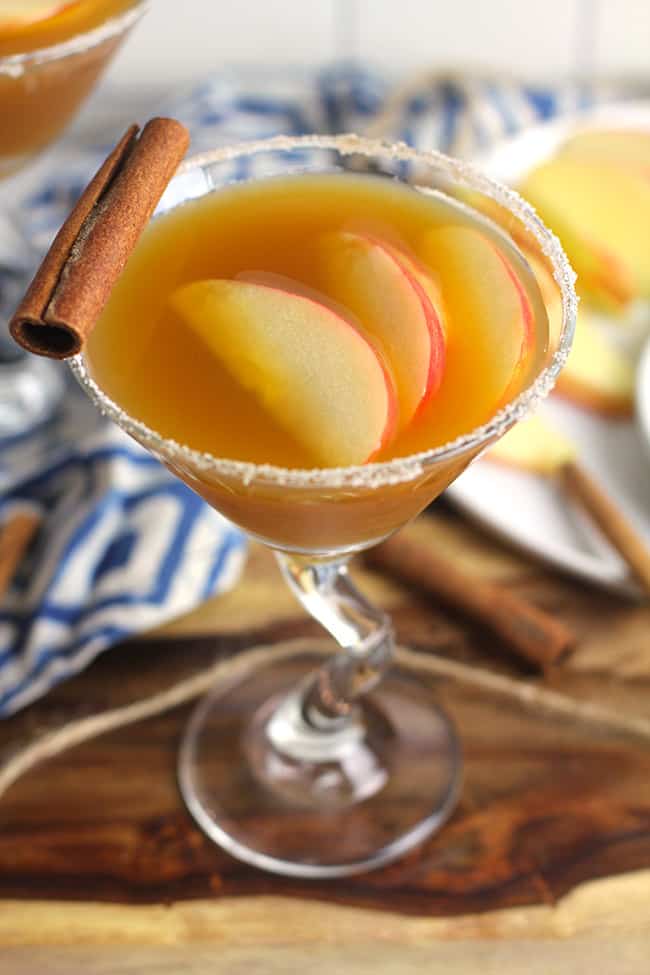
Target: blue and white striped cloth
(123, 546)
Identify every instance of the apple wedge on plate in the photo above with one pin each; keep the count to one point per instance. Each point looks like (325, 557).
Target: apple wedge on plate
(593, 403)
(600, 209)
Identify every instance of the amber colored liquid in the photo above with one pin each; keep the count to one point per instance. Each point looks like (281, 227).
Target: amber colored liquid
(156, 369)
(38, 98)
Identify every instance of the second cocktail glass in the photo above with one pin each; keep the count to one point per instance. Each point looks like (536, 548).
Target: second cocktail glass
(41, 90)
(327, 770)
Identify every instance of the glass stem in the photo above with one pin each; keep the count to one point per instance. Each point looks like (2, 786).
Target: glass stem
(363, 632)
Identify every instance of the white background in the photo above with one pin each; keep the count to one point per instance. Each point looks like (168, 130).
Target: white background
(181, 40)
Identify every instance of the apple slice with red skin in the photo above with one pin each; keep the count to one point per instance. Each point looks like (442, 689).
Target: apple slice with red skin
(396, 304)
(479, 285)
(551, 295)
(314, 372)
(601, 213)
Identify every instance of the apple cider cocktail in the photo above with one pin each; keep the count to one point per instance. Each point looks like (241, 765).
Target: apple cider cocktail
(51, 54)
(319, 321)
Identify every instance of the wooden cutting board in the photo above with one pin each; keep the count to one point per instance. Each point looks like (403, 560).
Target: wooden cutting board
(102, 869)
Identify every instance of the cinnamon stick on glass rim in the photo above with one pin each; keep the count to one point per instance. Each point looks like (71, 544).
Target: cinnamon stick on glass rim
(74, 282)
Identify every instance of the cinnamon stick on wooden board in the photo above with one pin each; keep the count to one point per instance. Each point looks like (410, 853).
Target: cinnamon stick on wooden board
(529, 632)
(16, 532)
(547, 452)
(610, 519)
(88, 254)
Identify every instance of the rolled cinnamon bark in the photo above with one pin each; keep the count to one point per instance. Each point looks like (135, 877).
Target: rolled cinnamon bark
(74, 281)
(528, 631)
(610, 519)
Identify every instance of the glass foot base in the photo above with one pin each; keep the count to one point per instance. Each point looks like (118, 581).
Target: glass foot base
(392, 779)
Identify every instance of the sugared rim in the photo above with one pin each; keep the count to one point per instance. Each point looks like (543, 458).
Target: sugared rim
(14, 64)
(401, 469)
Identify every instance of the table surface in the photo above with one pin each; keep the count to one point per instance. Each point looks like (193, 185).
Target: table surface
(548, 805)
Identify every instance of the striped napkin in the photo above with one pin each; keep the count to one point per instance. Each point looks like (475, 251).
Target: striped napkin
(123, 546)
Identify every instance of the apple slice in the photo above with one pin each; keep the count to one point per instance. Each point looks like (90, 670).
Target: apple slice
(318, 377)
(532, 445)
(20, 13)
(601, 213)
(551, 296)
(598, 375)
(397, 305)
(630, 147)
(487, 304)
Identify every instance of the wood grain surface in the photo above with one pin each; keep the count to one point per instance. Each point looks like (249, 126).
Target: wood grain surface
(546, 805)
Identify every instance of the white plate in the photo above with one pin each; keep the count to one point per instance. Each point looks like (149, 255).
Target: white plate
(529, 510)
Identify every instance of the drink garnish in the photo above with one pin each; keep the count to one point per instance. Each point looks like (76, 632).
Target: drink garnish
(74, 282)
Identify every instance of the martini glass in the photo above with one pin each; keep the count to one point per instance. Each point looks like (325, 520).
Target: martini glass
(323, 763)
(40, 92)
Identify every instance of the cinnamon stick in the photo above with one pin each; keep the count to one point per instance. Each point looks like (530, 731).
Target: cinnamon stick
(529, 632)
(15, 535)
(88, 255)
(611, 521)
